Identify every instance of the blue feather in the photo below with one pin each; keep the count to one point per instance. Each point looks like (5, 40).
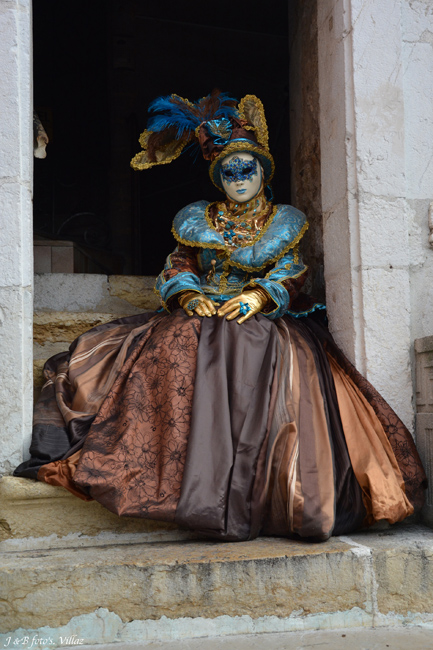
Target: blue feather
(186, 118)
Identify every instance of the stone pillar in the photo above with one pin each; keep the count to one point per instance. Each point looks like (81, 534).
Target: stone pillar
(16, 262)
(366, 238)
(418, 103)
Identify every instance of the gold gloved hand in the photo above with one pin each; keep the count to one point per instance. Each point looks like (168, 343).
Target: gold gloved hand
(248, 303)
(193, 301)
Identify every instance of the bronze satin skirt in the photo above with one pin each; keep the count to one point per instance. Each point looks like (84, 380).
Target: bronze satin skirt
(233, 431)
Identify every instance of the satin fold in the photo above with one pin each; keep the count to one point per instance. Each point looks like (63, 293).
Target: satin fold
(375, 466)
(231, 430)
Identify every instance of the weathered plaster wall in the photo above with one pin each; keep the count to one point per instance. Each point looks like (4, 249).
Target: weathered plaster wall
(16, 262)
(305, 134)
(375, 80)
(417, 21)
(378, 104)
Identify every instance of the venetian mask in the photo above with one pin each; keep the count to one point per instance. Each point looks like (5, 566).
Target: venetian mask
(241, 176)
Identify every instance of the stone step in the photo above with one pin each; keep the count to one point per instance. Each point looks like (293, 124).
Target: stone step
(45, 516)
(418, 637)
(84, 292)
(67, 305)
(54, 331)
(142, 592)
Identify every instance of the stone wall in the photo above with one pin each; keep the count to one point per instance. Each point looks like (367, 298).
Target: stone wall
(417, 52)
(16, 265)
(376, 130)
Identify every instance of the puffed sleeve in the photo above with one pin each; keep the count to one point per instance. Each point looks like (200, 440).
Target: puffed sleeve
(282, 283)
(180, 273)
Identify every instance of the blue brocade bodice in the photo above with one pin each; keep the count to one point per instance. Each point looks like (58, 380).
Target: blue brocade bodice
(270, 260)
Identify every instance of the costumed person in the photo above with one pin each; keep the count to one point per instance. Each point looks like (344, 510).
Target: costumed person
(231, 411)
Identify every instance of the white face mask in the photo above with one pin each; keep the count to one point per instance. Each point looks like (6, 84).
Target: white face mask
(241, 176)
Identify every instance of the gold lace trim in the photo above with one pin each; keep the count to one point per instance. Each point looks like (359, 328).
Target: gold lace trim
(215, 290)
(175, 146)
(243, 267)
(258, 122)
(286, 267)
(233, 147)
(182, 99)
(164, 304)
(293, 243)
(187, 242)
(292, 277)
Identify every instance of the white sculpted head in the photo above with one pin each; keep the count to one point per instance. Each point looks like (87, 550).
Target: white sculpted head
(241, 176)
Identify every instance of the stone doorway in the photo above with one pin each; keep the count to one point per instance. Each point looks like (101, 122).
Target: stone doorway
(96, 68)
(376, 174)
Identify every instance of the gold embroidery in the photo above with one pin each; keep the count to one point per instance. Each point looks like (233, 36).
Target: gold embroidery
(223, 247)
(293, 243)
(223, 278)
(252, 241)
(243, 229)
(234, 287)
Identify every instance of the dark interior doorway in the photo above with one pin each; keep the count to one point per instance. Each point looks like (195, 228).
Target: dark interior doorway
(97, 66)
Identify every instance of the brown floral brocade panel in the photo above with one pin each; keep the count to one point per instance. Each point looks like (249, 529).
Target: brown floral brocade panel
(182, 260)
(77, 383)
(133, 458)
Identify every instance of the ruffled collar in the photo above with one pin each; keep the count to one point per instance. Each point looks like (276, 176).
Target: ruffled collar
(283, 230)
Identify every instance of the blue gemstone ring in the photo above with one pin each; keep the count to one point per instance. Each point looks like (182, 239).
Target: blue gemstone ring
(193, 304)
(244, 308)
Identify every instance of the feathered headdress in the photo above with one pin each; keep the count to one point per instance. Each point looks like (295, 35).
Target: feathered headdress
(215, 123)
